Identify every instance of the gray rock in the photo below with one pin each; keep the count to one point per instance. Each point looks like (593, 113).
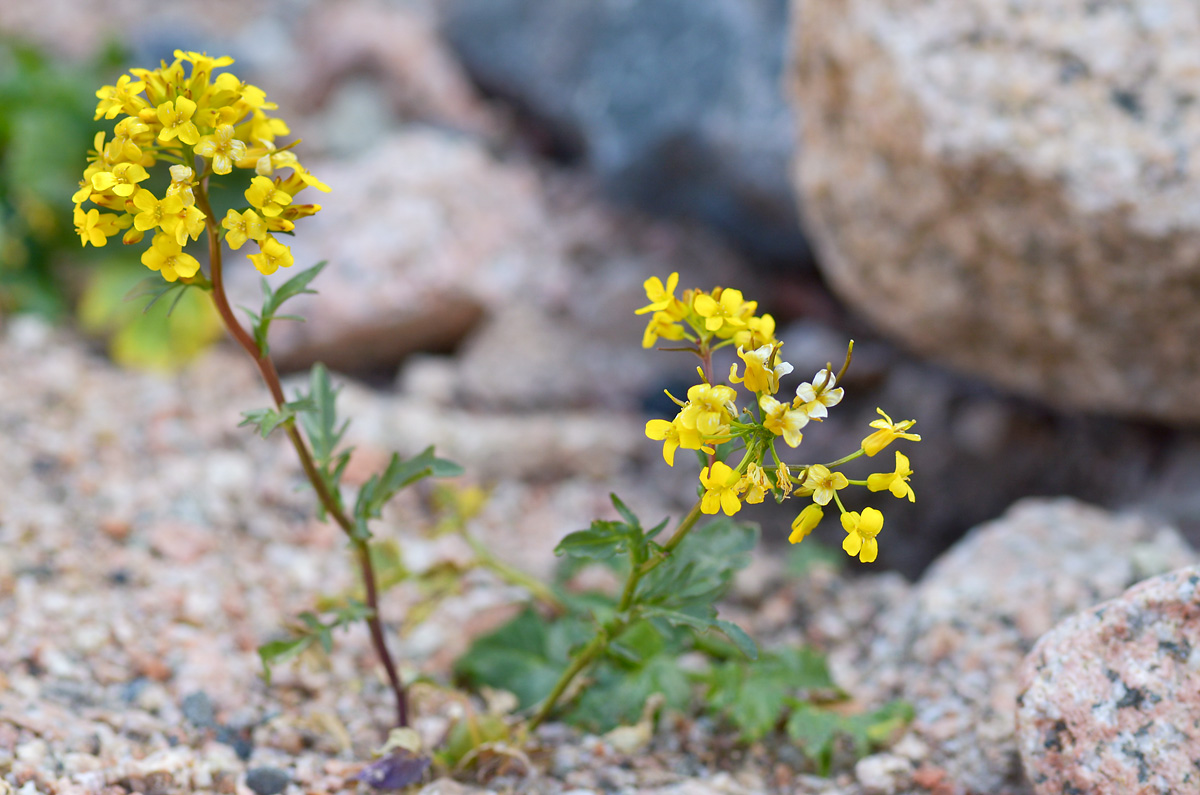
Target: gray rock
(675, 104)
(267, 780)
(1110, 696)
(955, 648)
(1008, 188)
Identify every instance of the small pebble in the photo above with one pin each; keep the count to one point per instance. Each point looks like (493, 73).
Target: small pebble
(267, 780)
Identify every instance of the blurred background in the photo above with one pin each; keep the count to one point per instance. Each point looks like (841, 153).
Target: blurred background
(998, 204)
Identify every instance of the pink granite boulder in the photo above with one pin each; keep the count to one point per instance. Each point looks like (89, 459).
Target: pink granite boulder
(1110, 699)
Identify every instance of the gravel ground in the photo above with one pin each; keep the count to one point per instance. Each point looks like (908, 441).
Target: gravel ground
(148, 546)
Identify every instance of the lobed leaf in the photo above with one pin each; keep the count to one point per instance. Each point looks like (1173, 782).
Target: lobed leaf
(274, 299)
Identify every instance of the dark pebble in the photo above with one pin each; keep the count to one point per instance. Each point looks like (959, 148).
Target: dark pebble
(199, 711)
(267, 780)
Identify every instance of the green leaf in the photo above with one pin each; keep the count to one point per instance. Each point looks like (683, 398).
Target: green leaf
(626, 514)
(744, 642)
(278, 652)
(274, 299)
(379, 489)
(519, 656)
(268, 419)
(870, 730)
(815, 731)
(321, 421)
(754, 696)
(701, 568)
(602, 541)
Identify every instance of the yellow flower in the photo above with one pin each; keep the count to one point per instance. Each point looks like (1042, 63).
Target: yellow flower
(661, 325)
(860, 534)
(181, 184)
(188, 223)
(272, 256)
(709, 409)
(757, 332)
(824, 483)
(673, 435)
(782, 420)
(723, 312)
(816, 398)
(895, 482)
(755, 483)
(888, 431)
(721, 489)
(222, 148)
(167, 257)
(122, 180)
(243, 227)
(124, 145)
(265, 196)
(120, 98)
(176, 120)
(155, 213)
(805, 523)
(660, 297)
(95, 227)
(759, 376)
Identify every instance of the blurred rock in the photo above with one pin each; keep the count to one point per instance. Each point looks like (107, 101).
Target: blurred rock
(1110, 696)
(397, 49)
(435, 244)
(954, 648)
(676, 104)
(1008, 189)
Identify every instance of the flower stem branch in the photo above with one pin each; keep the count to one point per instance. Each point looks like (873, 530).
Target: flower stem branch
(613, 628)
(330, 502)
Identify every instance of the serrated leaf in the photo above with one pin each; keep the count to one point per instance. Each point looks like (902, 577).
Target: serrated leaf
(602, 541)
(626, 514)
(274, 299)
(321, 421)
(700, 569)
(398, 474)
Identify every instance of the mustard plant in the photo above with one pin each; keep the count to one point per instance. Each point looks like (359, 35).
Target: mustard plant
(183, 135)
(740, 463)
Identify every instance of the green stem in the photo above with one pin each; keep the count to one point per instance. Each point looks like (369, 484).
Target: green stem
(858, 454)
(330, 501)
(613, 628)
(585, 658)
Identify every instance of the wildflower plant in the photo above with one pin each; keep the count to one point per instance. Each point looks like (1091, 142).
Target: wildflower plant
(672, 582)
(710, 422)
(180, 132)
(185, 129)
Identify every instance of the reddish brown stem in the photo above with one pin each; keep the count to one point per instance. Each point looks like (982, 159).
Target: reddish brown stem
(330, 502)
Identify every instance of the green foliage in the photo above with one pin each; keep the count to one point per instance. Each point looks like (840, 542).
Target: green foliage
(268, 419)
(160, 335)
(274, 299)
(46, 110)
(755, 698)
(309, 632)
(816, 730)
(684, 589)
(399, 473)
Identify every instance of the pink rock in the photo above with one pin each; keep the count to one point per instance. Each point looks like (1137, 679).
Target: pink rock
(1111, 696)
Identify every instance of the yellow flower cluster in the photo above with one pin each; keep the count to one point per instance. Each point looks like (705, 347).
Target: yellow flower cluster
(202, 124)
(704, 322)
